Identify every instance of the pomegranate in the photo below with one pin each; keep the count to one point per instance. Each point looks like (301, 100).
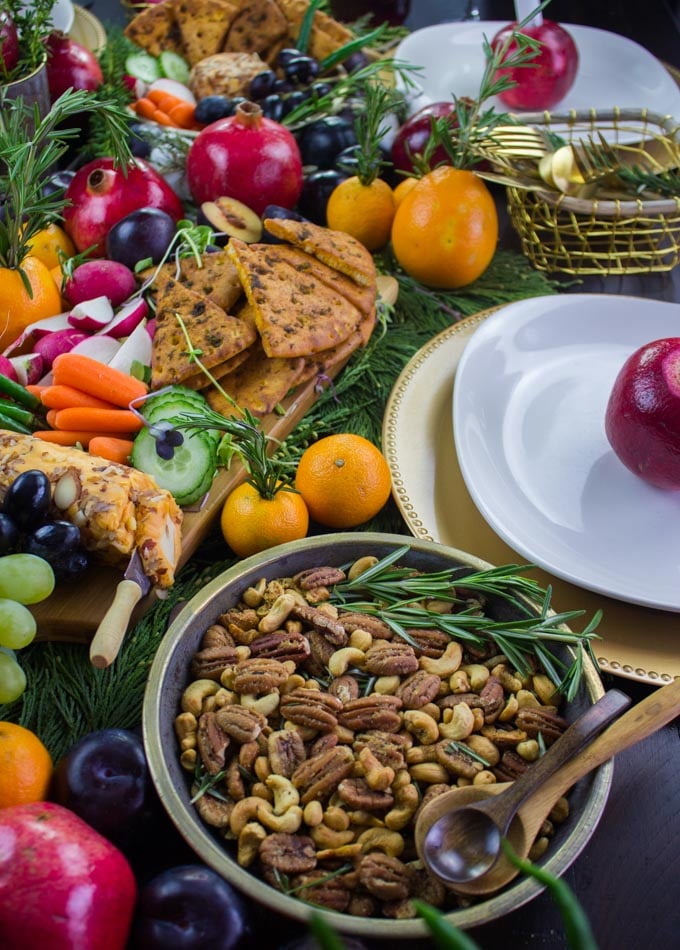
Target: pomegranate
(551, 74)
(9, 42)
(411, 139)
(70, 66)
(100, 194)
(642, 419)
(248, 157)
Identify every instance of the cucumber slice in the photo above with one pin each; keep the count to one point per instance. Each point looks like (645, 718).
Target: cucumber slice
(174, 66)
(143, 66)
(166, 406)
(187, 475)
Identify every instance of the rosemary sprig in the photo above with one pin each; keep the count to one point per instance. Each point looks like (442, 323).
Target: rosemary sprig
(207, 784)
(455, 746)
(284, 883)
(370, 126)
(651, 184)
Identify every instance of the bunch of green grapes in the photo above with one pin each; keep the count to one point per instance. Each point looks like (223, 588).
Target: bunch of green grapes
(24, 579)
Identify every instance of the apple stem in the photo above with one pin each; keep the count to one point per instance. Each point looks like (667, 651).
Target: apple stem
(524, 9)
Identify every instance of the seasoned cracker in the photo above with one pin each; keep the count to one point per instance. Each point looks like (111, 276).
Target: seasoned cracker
(155, 29)
(256, 28)
(339, 250)
(259, 384)
(204, 25)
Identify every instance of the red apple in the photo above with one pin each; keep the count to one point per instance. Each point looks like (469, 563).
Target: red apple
(550, 76)
(101, 194)
(70, 66)
(9, 41)
(413, 136)
(642, 419)
(62, 884)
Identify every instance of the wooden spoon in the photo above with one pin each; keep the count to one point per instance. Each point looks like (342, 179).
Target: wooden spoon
(653, 712)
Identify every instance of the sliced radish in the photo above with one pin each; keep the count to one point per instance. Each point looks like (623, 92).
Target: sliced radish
(51, 345)
(28, 368)
(127, 319)
(136, 349)
(175, 88)
(7, 369)
(151, 327)
(98, 346)
(92, 315)
(35, 330)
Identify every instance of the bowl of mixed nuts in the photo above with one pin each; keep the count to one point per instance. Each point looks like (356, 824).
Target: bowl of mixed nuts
(310, 700)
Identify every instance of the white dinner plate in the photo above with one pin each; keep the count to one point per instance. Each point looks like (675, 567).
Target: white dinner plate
(613, 70)
(529, 403)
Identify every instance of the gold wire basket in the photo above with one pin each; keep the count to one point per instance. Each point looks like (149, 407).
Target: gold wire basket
(605, 236)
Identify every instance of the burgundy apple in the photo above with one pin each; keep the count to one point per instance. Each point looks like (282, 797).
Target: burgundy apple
(70, 66)
(550, 76)
(411, 140)
(9, 41)
(62, 885)
(642, 419)
(100, 194)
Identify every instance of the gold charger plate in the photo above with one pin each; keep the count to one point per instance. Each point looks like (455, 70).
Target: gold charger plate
(87, 30)
(637, 642)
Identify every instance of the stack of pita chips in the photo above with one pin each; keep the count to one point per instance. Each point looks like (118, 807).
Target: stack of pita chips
(265, 318)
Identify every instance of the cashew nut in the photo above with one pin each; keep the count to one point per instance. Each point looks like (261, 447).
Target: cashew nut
(529, 750)
(360, 565)
(526, 699)
(336, 818)
(507, 678)
(246, 810)
(365, 819)
(249, 840)
(188, 759)
(484, 748)
(509, 711)
(285, 793)
(325, 837)
(312, 813)
(477, 674)
(253, 596)
(288, 823)
(422, 726)
(342, 659)
(544, 688)
(406, 801)
(277, 613)
(381, 839)
(266, 704)
(446, 664)
(379, 777)
(459, 682)
(485, 777)
(346, 852)
(293, 682)
(430, 773)
(387, 685)
(195, 695)
(361, 639)
(186, 730)
(461, 724)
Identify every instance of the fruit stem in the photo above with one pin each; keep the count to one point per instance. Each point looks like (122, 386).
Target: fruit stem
(249, 114)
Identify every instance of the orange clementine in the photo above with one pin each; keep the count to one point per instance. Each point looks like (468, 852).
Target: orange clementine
(364, 211)
(18, 307)
(344, 480)
(446, 228)
(46, 245)
(251, 523)
(25, 766)
(403, 188)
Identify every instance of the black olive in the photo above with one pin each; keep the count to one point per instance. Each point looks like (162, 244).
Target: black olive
(301, 69)
(28, 498)
(272, 107)
(321, 141)
(262, 84)
(286, 54)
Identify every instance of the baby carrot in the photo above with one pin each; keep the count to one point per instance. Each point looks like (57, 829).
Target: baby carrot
(51, 417)
(111, 448)
(164, 100)
(145, 108)
(182, 113)
(64, 397)
(97, 379)
(35, 390)
(63, 437)
(97, 420)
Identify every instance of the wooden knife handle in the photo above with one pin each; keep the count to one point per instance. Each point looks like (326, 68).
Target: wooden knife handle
(110, 633)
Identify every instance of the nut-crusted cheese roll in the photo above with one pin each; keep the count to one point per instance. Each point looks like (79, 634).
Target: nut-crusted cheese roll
(117, 508)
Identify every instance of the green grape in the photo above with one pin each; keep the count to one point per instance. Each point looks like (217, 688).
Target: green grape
(12, 678)
(25, 578)
(17, 625)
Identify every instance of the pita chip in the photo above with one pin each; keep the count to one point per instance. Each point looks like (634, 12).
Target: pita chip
(155, 29)
(259, 384)
(204, 25)
(338, 250)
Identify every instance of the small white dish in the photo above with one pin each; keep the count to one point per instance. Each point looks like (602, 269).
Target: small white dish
(613, 70)
(528, 417)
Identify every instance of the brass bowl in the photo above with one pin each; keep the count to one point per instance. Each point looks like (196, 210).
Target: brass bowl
(170, 674)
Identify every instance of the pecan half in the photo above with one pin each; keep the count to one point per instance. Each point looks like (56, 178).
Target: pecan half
(353, 620)
(391, 658)
(388, 748)
(504, 738)
(492, 698)
(320, 653)
(281, 646)
(290, 854)
(330, 892)
(211, 662)
(212, 742)
(213, 811)
(311, 708)
(419, 689)
(372, 712)
(286, 751)
(345, 687)
(259, 676)
(510, 767)
(216, 636)
(385, 877)
(430, 643)
(330, 629)
(357, 793)
(456, 761)
(319, 577)
(320, 775)
(538, 719)
(239, 620)
(243, 725)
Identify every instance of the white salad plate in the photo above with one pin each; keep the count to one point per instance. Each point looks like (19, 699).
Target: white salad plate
(613, 70)
(529, 405)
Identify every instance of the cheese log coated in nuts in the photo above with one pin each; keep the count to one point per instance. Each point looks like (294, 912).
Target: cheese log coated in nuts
(117, 508)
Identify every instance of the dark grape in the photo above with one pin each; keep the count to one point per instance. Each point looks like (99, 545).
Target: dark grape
(28, 498)
(320, 89)
(69, 565)
(141, 234)
(294, 100)
(272, 107)
(283, 86)
(56, 183)
(301, 69)
(50, 539)
(262, 84)
(316, 190)
(212, 108)
(9, 534)
(321, 141)
(139, 146)
(356, 61)
(287, 54)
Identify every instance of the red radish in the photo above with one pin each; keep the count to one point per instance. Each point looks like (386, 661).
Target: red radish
(7, 368)
(127, 319)
(28, 368)
(94, 278)
(248, 157)
(35, 330)
(551, 74)
(98, 347)
(62, 884)
(642, 419)
(136, 349)
(9, 41)
(101, 194)
(91, 315)
(151, 327)
(70, 66)
(51, 345)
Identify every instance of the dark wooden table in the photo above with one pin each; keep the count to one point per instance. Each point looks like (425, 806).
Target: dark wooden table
(627, 877)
